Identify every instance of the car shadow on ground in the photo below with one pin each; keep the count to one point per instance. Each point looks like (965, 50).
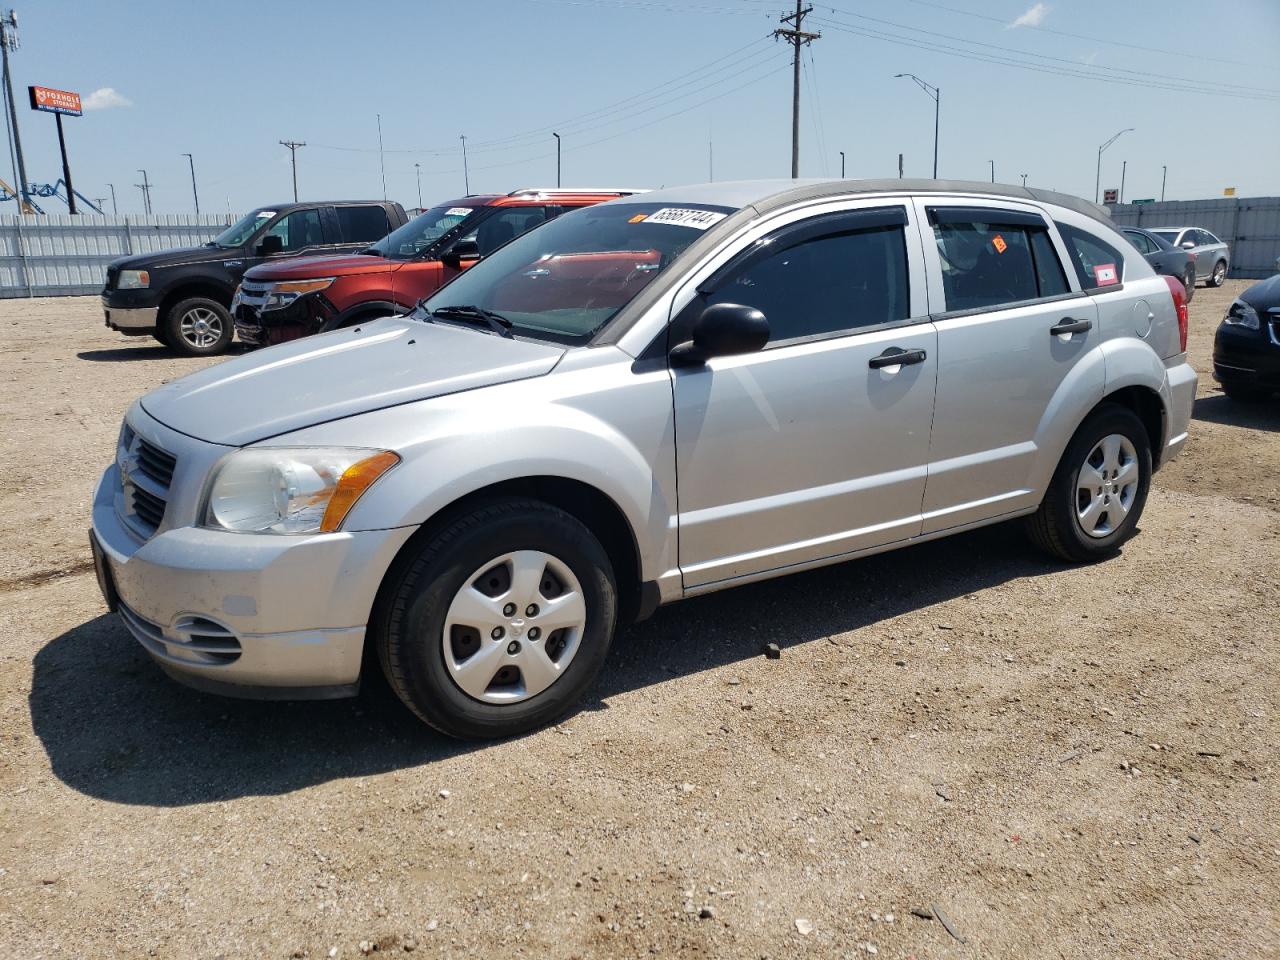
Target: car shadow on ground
(1219, 408)
(116, 728)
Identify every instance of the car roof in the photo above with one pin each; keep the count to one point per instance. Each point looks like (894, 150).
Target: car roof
(766, 195)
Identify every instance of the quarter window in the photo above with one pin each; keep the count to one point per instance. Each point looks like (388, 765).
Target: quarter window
(829, 275)
(993, 258)
(1097, 263)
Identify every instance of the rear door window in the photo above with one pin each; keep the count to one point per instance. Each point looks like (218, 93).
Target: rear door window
(1097, 263)
(363, 224)
(824, 276)
(993, 258)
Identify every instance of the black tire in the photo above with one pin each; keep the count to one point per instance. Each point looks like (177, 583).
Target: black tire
(410, 622)
(161, 335)
(1189, 282)
(198, 342)
(1246, 393)
(1219, 274)
(1054, 527)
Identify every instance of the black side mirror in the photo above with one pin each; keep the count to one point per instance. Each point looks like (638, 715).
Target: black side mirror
(271, 243)
(461, 250)
(723, 330)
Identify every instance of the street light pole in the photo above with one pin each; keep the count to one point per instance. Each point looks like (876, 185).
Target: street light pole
(557, 136)
(936, 94)
(417, 169)
(841, 164)
(195, 196)
(115, 211)
(993, 170)
(1124, 168)
(1024, 179)
(1164, 176)
(466, 176)
(1097, 183)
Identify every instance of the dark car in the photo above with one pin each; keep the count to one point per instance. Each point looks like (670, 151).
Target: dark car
(1246, 349)
(183, 297)
(1164, 257)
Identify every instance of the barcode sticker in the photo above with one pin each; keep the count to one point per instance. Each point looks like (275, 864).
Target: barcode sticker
(457, 211)
(684, 217)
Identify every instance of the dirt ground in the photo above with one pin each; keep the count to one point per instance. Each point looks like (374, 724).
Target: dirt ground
(1074, 762)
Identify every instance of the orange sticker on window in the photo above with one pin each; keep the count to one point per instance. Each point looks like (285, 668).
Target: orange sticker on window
(998, 242)
(638, 218)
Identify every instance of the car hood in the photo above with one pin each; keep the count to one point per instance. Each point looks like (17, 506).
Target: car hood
(173, 258)
(1264, 294)
(340, 374)
(305, 268)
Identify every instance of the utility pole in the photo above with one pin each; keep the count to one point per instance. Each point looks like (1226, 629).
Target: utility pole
(145, 187)
(936, 94)
(8, 42)
(797, 37)
(194, 196)
(841, 164)
(1097, 183)
(417, 169)
(1124, 167)
(711, 163)
(293, 146)
(557, 136)
(466, 177)
(382, 163)
(115, 211)
(1164, 176)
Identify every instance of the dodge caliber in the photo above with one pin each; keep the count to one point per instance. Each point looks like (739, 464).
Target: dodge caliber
(638, 402)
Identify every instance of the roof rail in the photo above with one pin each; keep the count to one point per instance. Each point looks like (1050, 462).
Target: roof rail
(565, 191)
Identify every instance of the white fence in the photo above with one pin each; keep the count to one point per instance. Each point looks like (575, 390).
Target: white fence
(1251, 225)
(60, 255)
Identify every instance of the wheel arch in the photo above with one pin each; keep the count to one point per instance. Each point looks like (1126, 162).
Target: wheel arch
(1149, 408)
(357, 312)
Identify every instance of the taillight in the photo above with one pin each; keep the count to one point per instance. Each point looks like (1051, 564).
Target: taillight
(1180, 304)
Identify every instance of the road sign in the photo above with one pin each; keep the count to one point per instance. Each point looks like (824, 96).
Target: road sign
(1110, 196)
(1144, 200)
(55, 101)
(1228, 191)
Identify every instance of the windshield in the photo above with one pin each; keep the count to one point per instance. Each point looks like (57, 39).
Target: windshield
(568, 278)
(1167, 235)
(246, 227)
(421, 232)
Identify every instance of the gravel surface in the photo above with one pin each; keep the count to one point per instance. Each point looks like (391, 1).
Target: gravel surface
(962, 751)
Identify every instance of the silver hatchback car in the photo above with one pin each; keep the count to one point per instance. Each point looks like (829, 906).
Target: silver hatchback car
(642, 401)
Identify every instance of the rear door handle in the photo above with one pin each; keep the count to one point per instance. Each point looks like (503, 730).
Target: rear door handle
(896, 356)
(1070, 326)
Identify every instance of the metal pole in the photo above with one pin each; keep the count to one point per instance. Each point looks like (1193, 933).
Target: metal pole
(795, 100)
(1024, 179)
(115, 211)
(1124, 167)
(293, 146)
(899, 166)
(993, 170)
(841, 164)
(8, 26)
(145, 187)
(466, 177)
(194, 196)
(382, 163)
(937, 109)
(557, 136)
(1097, 178)
(66, 167)
(1164, 176)
(417, 169)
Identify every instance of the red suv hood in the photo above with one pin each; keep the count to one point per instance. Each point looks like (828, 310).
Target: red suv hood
(307, 268)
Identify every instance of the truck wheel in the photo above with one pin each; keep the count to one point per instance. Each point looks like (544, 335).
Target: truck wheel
(500, 622)
(161, 334)
(1097, 493)
(1219, 274)
(198, 327)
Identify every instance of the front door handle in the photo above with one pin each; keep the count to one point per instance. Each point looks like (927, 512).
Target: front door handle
(896, 356)
(1068, 326)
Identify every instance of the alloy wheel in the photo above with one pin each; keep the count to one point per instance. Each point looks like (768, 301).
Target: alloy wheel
(201, 327)
(514, 627)
(1106, 485)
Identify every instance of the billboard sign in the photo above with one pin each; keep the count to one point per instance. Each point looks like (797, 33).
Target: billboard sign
(1110, 196)
(55, 101)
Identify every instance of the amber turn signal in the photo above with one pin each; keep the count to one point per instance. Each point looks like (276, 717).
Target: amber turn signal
(355, 480)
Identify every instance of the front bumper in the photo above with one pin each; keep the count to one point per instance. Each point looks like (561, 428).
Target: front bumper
(261, 616)
(307, 315)
(1248, 357)
(129, 320)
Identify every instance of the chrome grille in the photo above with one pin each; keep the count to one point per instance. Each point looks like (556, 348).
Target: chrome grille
(146, 472)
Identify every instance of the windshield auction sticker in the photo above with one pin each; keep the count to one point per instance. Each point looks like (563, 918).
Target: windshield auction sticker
(457, 211)
(684, 217)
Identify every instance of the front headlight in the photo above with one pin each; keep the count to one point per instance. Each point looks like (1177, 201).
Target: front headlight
(284, 293)
(133, 280)
(1240, 314)
(292, 490)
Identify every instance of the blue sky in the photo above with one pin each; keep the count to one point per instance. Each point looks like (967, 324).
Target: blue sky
(637, 88)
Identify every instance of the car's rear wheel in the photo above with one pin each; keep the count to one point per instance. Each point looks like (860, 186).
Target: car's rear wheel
(499, 622)
(1099, 489)
(1219, 274)
(198, 327)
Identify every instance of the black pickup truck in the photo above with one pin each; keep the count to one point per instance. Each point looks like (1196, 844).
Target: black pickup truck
(182, 297)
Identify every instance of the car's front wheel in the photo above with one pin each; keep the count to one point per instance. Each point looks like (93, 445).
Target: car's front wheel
(1219, 274)
(198, 327)
(1098, 491)
(498, 623)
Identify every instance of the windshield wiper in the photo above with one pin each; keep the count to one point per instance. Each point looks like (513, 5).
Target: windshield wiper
(473, 314)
